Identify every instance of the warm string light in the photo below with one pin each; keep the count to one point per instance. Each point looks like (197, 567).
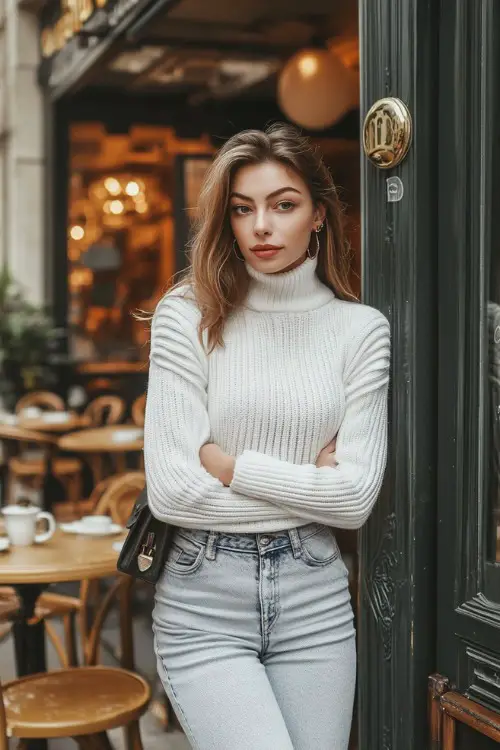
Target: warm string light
(132, 188)
(77, 232)
(112, 186)
(118, 197)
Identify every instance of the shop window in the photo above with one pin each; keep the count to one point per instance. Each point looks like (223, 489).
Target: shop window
(121, 235)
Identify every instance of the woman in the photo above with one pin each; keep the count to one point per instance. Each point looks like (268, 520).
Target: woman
(265, 427)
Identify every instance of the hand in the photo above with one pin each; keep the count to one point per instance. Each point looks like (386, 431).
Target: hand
(219, 464)
(327, 455)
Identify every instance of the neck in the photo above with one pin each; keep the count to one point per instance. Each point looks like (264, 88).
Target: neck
(297, 290)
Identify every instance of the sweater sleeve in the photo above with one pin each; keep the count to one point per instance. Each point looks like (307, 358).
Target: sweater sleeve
(180, 490)
(344, 495)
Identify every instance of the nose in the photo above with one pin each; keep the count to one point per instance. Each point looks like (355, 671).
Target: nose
(262, 223)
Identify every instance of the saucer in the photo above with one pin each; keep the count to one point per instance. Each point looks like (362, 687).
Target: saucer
(77, 527)
(4, 544)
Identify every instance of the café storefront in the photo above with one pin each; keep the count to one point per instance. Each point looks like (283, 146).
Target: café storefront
(428, 560)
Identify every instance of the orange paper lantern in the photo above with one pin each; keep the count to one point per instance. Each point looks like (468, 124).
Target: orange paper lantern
(315, 89)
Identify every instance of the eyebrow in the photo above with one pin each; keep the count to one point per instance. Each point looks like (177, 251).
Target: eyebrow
(271, 195)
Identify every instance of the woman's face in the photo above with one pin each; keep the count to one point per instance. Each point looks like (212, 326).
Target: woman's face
(273, 216)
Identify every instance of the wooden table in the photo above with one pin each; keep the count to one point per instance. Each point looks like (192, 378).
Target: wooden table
(98, 441)
(17, 433)
(73, 422)
(65, 557)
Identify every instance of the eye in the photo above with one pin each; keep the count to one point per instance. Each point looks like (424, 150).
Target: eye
(240, 210)
(286, 205)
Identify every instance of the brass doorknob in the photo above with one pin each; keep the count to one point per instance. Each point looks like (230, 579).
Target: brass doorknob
(387, 132)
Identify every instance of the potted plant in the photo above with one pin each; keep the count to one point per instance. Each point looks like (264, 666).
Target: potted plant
(27, 338)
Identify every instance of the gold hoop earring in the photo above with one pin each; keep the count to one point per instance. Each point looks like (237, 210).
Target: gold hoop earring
(235, 249)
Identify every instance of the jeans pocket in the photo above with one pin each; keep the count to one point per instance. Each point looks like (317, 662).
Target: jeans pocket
(185, 555)
(320, 548)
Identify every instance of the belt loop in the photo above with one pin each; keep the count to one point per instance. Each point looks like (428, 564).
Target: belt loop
(211, 545)
(295, 542)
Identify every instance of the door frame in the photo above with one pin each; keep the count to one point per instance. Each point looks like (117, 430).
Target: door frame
(397, 599)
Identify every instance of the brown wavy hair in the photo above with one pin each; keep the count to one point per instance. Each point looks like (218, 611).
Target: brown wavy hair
(216, 276)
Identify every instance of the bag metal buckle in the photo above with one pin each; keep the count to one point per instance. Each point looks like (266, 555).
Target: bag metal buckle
(146, 555)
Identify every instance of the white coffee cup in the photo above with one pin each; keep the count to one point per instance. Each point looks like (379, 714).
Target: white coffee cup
(20, 525)
(97, 523)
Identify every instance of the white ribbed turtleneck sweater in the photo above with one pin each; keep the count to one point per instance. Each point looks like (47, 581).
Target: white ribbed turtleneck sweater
(299, 366)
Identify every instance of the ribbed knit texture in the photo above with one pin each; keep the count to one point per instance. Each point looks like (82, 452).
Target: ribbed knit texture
(298, 367)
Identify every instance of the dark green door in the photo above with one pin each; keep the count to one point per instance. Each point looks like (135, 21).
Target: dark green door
(399, 45)
(468, 612)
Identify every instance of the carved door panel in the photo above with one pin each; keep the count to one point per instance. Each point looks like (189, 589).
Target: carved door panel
(468, 610)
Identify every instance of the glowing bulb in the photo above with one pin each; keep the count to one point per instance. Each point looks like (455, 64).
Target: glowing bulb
(141, 207)
(112, 185)
(315, 89)
(77, 232)
(116, 207)
(132, 188)
(308, 65)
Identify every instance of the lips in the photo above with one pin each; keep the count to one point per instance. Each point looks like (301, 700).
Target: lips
(266, 251)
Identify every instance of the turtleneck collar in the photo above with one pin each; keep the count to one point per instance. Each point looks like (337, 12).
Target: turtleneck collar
(297, 290)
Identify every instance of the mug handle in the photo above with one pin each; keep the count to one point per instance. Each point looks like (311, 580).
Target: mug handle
(46, 535)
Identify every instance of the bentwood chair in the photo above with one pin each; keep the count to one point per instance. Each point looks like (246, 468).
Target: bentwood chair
(105, 410)
(83, 703)
(138, 410)
(138, 418)
(44, 400)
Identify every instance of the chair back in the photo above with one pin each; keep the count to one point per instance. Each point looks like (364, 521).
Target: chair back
(105, 410)
(138, 410)
(42, 399)
(98, 491)
(120, 495)
(117, 501)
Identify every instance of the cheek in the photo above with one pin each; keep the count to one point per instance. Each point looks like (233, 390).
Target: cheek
(241, 227)
(297, 223)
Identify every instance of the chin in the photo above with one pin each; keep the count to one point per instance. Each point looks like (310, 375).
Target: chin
(276, 264)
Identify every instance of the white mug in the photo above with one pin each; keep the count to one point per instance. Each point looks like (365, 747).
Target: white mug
(20, 524)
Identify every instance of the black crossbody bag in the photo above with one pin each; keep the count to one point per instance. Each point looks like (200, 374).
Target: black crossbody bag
(147, 544)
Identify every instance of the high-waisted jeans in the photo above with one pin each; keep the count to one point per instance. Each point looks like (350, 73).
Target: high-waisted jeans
(255, 641)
